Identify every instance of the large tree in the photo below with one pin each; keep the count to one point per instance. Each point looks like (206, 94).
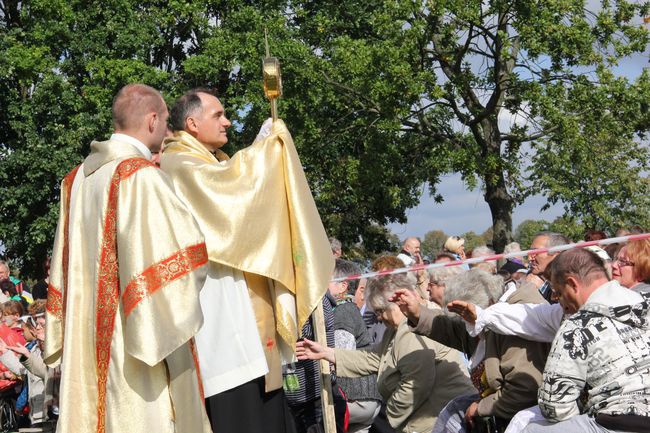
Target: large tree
(381, 96)
(462, 66)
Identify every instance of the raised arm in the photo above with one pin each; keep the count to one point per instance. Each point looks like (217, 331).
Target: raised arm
(535, 322)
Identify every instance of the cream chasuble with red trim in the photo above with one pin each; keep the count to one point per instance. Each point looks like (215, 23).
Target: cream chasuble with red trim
(123, 301)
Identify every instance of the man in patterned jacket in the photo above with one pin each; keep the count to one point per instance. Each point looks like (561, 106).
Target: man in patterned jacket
(597, 377)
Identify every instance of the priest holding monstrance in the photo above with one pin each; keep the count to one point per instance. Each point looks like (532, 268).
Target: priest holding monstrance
(269, 259)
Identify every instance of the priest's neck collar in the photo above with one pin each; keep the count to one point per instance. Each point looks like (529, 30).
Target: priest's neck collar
(134, 142)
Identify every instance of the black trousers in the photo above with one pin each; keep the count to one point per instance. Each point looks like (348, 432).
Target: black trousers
(248, 409)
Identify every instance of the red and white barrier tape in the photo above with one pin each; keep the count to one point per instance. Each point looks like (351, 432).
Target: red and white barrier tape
(494, 257)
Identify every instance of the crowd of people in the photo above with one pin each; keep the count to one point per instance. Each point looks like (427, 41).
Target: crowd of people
(547, 343)
(28, 387)
(181, 278)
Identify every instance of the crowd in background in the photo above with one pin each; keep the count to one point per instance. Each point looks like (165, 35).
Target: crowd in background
(521, 345)
(451, 349)
(28, 388)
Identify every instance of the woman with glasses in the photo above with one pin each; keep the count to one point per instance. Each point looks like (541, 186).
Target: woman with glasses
(416, 376)
(631, 267)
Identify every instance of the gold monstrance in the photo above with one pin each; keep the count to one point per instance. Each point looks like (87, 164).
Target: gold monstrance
(272, 79)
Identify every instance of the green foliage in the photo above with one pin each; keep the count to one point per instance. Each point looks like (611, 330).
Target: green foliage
(594, 163)
(473, 240)
(381, 96)
(570, 227)
(432, 243)
(526, 230)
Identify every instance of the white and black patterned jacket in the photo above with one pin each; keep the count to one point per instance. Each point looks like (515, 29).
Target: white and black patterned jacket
(603, 349)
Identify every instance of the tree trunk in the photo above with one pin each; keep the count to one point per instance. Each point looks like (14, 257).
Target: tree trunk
(496, 192)
(501, 205)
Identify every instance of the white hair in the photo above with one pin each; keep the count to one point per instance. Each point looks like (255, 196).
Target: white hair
(475, 286)
(440, 275)
(379, 289)
(482, 251)
(512, 247)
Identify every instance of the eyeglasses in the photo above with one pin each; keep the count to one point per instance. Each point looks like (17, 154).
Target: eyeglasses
(622, 263)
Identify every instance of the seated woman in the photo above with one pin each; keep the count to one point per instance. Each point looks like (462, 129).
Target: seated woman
(350, 332)
(506, 370)
(416, 376)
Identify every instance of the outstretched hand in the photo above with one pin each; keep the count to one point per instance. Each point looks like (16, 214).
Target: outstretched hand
(307, 349)
(20, 349)
(464, 309)
(408, 302)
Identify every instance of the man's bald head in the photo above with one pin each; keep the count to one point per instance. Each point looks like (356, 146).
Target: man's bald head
(133, 103)
(412, 245)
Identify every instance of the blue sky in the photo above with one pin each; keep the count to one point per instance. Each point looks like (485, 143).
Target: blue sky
(463, 211)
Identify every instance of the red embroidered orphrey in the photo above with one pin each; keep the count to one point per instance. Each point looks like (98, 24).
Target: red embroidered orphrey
(108, 286)
(108, 290)
(162, 273)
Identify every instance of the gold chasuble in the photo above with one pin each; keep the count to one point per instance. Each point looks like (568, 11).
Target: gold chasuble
(258, 217)
(123, 301)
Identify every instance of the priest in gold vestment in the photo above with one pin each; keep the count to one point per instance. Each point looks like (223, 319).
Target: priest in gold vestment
(126, 271)
(269, 258)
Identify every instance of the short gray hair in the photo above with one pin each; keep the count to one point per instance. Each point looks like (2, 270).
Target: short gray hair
(344, 268)
(379, 289)
(553, 239)
(440, 275)
(482, 251)
(475, 286)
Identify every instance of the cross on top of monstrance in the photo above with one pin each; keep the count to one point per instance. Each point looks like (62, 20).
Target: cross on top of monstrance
(272, 78)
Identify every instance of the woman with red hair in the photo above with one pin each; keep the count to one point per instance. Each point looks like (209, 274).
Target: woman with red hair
(631, 267)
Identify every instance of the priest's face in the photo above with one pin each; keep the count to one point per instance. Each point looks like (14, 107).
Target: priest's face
(211, 123)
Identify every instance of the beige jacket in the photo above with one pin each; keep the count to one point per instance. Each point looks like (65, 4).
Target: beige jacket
(513, 366)
(416, 376)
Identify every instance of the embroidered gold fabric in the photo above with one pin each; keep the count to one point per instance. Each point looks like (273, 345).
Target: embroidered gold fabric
(258, 215)
(125, 372)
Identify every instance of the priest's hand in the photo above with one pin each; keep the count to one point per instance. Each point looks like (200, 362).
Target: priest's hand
(464, 309)
(409, 303)
(307, 349)
(265, 130)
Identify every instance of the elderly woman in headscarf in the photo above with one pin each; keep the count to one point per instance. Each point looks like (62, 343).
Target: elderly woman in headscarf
(416, 376)
(506, 370)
